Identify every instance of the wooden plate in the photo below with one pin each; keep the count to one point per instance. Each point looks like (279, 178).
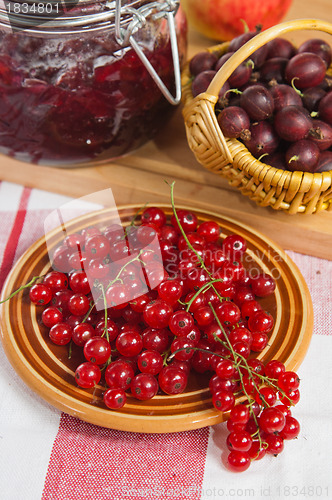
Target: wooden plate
(48, 371)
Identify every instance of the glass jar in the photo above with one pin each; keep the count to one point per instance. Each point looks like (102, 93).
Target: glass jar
(90, 83)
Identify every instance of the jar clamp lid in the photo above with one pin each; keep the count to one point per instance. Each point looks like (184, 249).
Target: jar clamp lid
(74, 17)
(166, 9)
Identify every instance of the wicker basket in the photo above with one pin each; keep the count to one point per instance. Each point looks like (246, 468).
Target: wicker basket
(292, 192)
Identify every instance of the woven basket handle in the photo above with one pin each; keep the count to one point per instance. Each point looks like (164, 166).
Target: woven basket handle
(256, 42)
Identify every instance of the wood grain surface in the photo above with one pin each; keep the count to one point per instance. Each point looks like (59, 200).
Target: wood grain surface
(139, 177)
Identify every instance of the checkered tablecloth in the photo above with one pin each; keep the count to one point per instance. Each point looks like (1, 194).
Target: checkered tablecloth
(49, 455)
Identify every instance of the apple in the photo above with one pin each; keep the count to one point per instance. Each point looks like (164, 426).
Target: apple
(225, 19)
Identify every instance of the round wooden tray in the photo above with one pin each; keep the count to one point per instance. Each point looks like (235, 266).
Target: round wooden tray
(46, 368)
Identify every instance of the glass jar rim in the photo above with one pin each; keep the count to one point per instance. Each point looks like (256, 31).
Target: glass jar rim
(70, 16)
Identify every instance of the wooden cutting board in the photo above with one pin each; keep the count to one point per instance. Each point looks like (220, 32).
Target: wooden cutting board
(140, 176)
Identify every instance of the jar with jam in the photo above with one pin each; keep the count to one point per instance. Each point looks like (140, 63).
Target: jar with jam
(84, 82)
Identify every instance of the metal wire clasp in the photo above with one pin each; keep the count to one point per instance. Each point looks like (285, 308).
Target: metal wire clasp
(156, 10)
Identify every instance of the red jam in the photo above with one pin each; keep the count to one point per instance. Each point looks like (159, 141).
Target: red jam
(75, 99)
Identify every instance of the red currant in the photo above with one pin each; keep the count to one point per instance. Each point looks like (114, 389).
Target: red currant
(257, 451)
(61, 333)
(204, 316)
(187, 220)
(183, 348)
(288, 381)
(157, 313)
(40, 294)
(172, 380)
(223, 400)
(118, 295)
(51, 316)
(144, 386)
(238, 461)
(74, 240)
(266, 396)
(194, 335)
(56, 281)
(240, 334)
(87, 375)
(225, 369)
(181, 323)
(82, 333)
(234, 246)
(228, 313)
(129, 343)
(97, 269)
(60, 300)
(291, 429)
(210, 231)
(262, 284)
(110, 330)
(201, 361)
(214, 257)
(114, 398)
(150, 362)
(97, 350)
(284, 409)
(275, 444)
(170, 291)
(240, 414)
(272, 420)
(256, 366)
(97, 246)
(232, 426)
(78, 304)
(243, 293)
(290, 398)
(169, 234)
(274, 368)
(156, 339)
(239, 440)
(260, 322)
(196, 302)
(79, 283)
(196, 240)
(249, 307)
(139, 303)
(88, 232)
(217, 384)
(119, 374)
(60, 259)
(154, 215)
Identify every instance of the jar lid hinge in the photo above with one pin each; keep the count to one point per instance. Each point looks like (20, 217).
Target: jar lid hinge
(124, 36)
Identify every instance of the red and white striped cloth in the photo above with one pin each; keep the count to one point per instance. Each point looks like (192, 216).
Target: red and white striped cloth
(52, 456)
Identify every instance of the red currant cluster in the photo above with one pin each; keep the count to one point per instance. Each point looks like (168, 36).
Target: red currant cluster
(205, 315)
(260, 425)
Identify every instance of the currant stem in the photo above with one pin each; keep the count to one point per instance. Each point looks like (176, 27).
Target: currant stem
(182, 230)
(203, 266)
(70, 349)
(237, 356)
(171, 356)
(136, 258)
(203, 289)
(117, 278)
(27, 285)
(132, 222)
(92, 305)
(105, 314)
